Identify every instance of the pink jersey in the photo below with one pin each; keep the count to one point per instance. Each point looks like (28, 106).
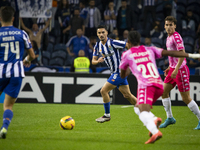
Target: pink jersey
(141, 61)
(175, 42)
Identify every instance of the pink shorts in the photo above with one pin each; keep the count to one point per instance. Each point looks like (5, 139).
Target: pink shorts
(148, 95)
(182, 79)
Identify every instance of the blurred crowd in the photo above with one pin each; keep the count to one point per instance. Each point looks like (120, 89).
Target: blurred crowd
(72, 27)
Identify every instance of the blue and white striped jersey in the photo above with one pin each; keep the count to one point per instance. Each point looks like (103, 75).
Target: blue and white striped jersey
(13, 42)
(110, 52)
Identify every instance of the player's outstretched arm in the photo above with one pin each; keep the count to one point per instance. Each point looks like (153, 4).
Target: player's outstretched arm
(29, 57)
(179, 54)
(174, 53)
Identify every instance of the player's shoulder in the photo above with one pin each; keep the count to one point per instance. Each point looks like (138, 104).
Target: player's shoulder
(126, 53)
(176, 35)
(97, 44)
(117, 41)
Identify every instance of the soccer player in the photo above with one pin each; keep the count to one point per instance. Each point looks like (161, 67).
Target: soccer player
(141, 61)
(12, 44)
(177, 73)
(108, 48)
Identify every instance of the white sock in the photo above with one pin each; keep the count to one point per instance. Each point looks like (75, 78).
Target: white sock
(147, 120)
(153, 116)
(194, 108)
(167, 106)
(107, 115)
(137, 110)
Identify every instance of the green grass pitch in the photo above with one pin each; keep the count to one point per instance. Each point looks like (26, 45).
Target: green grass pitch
(36, 127)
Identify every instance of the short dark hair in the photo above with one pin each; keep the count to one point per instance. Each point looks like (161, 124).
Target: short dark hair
(134, 37)
(101, 26)
(172, 19)
(7, 13)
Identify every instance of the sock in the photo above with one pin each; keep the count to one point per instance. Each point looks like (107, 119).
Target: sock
(137, 111)
(153, 116)
(167, 106)
(7, 117)
(194, 108)
(147, 119)
(107, 108)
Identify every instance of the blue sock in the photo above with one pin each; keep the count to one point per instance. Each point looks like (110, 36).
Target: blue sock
(107, 107)
(7, 117)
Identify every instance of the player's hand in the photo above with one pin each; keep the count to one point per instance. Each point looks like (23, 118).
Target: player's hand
(166, 71)
(174, 73)
(100, 60)
(26, 63)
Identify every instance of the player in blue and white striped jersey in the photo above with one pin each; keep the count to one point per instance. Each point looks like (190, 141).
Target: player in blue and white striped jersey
(13, 42)
(109, 49)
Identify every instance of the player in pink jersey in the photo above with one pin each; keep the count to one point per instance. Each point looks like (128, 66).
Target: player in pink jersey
(141, 61)
(177, 73)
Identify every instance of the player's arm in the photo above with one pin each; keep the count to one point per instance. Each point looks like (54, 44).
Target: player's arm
(125, 73)
(127, 46)
(180, 54)
(29, 57)
(24, 27)
(96, 60)
(180, 61)
(174, 53)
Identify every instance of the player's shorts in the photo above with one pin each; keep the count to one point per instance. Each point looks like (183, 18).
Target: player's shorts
(182, 79)
(115, 79)
(148, 95)
(11, 86)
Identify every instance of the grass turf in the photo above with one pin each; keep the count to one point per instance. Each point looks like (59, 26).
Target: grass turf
(36, 127)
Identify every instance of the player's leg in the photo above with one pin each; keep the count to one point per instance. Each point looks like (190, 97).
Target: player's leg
(125, 90)
(107, 87)
(11, 91)
(166, 101)
(145, 100)
(7, 115)
(192, 105)
(183, 83)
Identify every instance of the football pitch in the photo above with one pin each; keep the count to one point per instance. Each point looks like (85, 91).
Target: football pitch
(36, 127)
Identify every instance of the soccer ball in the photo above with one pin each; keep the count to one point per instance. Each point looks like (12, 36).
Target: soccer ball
(67, 123)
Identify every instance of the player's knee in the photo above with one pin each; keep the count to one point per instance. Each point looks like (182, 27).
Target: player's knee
(127, 95)
(165, 95)
(103, 92)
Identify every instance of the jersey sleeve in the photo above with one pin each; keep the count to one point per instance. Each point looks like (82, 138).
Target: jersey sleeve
(26, 39)
(124, 63)
(178, 42)
(157, 51)
(96, 50)
(118, 44)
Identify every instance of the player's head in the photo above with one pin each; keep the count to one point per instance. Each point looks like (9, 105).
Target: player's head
(170, 24)
(102, 33)
(133, 38)
(7, 14)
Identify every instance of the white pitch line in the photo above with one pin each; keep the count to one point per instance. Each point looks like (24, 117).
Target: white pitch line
(126, 106)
